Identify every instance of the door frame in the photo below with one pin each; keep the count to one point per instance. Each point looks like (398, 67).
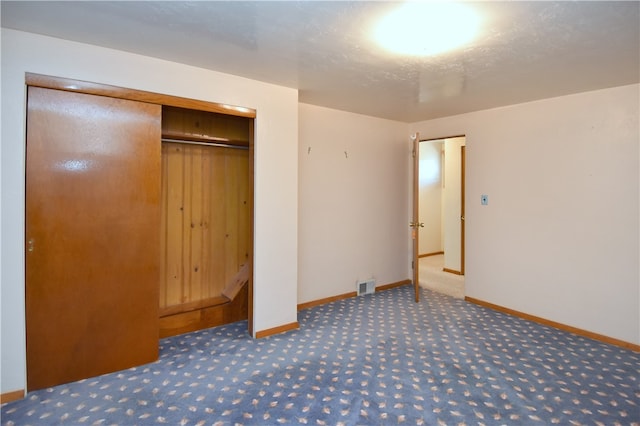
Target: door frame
(416, 195)
(463, 153)
(415, 217)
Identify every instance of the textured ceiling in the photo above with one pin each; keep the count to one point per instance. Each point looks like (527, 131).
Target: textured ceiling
(526, 50)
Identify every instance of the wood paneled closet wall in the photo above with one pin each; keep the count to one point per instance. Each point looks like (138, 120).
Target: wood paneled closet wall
(139, 214)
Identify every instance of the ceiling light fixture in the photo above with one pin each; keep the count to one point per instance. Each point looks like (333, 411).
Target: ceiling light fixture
(427, 28)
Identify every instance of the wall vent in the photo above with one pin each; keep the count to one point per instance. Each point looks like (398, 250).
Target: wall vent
(366, 287)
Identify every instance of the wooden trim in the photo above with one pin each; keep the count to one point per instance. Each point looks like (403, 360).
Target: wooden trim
(70, 85)
(251, 226)
(11, 396)
(277, 330)
(452, 271)
(580, 332)
(393, 285)
(442, 138)
(319, 302)
(435, 253)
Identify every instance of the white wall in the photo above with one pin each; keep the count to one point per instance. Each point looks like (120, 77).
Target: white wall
(353, 211)
(430, 197)
(452, 203)
(559, 238)
(276, 168)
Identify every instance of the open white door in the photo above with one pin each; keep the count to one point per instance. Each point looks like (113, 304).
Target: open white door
(415, 221)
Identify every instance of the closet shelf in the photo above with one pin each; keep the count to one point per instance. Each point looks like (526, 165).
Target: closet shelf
(205, 139)
(193, 306)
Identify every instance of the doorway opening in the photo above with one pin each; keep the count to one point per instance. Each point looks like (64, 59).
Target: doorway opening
(441, 209)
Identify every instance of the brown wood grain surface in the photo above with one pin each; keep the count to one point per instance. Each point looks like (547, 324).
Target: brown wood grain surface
(92, 220)
(71, 85)
(205, 222)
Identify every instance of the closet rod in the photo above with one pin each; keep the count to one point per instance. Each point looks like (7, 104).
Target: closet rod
(216, 144)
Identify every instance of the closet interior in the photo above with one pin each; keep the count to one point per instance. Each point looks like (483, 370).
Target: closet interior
(205, 219)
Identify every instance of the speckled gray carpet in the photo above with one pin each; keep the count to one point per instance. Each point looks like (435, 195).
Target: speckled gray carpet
(379, 359)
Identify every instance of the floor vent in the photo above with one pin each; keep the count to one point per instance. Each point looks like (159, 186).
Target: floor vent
(366, 287)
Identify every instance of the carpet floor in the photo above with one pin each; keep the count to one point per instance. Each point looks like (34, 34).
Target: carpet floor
(432, 277)
(379, 359)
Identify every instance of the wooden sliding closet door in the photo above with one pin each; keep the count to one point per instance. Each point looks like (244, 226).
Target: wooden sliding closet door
(92, 240)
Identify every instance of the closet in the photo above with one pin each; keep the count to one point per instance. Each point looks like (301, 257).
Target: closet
(206, 218)
(138, 224)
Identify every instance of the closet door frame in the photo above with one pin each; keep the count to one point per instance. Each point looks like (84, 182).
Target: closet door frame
(71, 85)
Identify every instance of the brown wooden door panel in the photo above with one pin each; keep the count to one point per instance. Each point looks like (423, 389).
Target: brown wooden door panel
(92, 221)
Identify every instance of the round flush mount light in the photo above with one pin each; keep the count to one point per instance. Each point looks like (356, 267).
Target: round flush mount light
(427, 28)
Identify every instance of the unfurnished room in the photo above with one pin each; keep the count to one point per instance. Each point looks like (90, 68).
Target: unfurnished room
(320, 212)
